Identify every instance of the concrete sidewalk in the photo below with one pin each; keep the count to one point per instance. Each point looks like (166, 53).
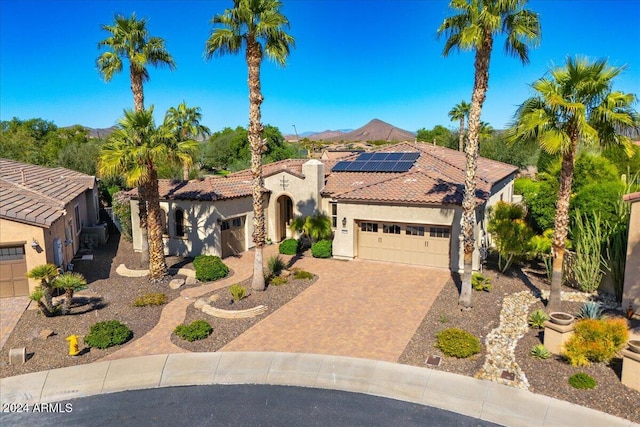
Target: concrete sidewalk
(468, 396)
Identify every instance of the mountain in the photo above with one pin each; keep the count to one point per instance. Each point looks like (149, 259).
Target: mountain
(100, 133)
(375, 130)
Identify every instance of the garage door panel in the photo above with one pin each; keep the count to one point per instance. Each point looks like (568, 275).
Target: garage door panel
(13, 271)
(414, 245)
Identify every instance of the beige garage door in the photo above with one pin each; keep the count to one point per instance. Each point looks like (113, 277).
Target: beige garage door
(232, 236)
(417, 244)
(13, 272)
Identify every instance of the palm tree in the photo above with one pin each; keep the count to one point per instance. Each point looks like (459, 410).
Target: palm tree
(132, 151)
(259, 28)
(45, 273)
(315, 227)
(460, 112)
(70, 282)
(474, 28)
(185, 123)
(576, 105)
(129, 39)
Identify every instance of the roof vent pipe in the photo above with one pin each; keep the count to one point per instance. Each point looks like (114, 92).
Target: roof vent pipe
(24, 179)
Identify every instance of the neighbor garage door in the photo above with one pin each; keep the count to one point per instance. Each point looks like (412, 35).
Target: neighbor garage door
(232, 236)
(418, 244)
(13, 272)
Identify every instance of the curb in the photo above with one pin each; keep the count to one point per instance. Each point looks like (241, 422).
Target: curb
(480, 399)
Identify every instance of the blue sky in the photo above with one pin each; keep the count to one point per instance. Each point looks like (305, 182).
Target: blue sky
(354, 60)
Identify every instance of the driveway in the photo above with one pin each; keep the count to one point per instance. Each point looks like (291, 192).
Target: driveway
(357, 308)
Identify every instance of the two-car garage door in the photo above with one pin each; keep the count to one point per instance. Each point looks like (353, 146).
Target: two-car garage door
(418, 244)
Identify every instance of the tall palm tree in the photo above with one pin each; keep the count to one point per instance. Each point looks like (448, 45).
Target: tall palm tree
(474, 27)
(132, 151)
(259, 27)
(576, 105)
(460, 112)
(185, 123)
(129, 39)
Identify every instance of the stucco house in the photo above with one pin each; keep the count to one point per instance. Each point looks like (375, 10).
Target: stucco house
(631, 290)
(43, 212)
(401, 203)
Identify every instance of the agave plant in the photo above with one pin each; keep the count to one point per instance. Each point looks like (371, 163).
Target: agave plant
(591, 310)
(537, 319)
(539, 351)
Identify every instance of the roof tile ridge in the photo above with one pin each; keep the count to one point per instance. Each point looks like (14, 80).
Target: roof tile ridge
(57, 202)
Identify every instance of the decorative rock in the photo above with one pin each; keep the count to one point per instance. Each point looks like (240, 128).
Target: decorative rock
(285, 273)
(214, 298)
(191, 281)
(46, 333)
(176, 283)
(17, 356)
(199, 304)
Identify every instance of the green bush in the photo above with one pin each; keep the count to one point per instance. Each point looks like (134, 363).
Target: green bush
(457, 343)
(275, 264)
(480, 283)
(582, 381)
(237, 292)
(277, 280)
(537, 319)
(155, 298)
(209, 268)
(289, 247)
(197, 330)
(596, 341)
(302, 274)
(539, 351)
(510, 232)
(321, 249)
(107, 334)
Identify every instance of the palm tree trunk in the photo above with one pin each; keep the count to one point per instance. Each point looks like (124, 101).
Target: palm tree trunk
(144, 232)
(68, 297)
(255, 141)
(47, 290)
(157, 265)
(480, 85)
(461, 136)
(185, 172)
(137, 89)
(561, 225)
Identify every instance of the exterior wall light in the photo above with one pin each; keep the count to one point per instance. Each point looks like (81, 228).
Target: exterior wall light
(35, 245)
(344, 221)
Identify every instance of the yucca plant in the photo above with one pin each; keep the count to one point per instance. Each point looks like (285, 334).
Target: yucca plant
(237, 292)
(591, 310)
(539, 351)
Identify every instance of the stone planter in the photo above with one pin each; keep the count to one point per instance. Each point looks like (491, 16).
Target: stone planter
(560, 318)
(634, 345)
(556, 335)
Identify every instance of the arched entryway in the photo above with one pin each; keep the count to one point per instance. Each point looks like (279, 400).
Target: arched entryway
(285, 216)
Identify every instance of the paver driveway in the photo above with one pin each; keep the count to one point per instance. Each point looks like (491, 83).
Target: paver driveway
(357, 308)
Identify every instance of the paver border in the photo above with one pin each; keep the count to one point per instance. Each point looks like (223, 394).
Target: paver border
(481, 399)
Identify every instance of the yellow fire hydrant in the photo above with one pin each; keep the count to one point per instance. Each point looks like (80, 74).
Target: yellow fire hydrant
(73, 345)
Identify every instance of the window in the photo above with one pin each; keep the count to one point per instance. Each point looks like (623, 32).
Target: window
(179, 218)
(371, 227)
(163, 222)
(334, 214)
(390, 229)
(96, 203)
(439, 232)
(224, 225)
(78, 222)
(236, 222)
(10, 254)
(414, 230)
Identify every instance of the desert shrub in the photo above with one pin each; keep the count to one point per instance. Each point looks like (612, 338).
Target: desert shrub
(209, 268)
(275, 264)
(590, 310)
(540, 247)
(321, 249)
(539, 351)
(196, 330)
(302, 274)
(537, 319)
(277, 280)
(457, 343)
(595, 341)
(107, 334)
(582, 381)
(238, 292)
(480, 283)
(588, 265)
(289, 247)
(122, 210)
(154, 298)
(511, 234)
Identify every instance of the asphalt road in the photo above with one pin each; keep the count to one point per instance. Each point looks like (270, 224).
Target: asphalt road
(235, 405)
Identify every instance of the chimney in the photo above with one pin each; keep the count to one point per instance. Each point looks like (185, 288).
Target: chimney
(24, 179)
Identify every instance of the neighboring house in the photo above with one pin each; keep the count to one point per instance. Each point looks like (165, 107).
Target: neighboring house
(631, 291)
(401, 203)
(42, 214)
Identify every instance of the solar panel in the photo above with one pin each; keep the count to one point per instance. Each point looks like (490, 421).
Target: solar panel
(402, 166)
(365, 156)
(340, 166)
(354, 166)
(387, 166)
(378, 162)
(394, 156)
(379, 156)
(410, 156)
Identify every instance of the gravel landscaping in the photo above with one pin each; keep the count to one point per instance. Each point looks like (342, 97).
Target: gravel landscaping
(111, 296)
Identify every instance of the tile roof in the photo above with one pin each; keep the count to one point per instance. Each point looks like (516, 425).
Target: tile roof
(38, 194)
(632, 197)
(204, 189)
(441, 173)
